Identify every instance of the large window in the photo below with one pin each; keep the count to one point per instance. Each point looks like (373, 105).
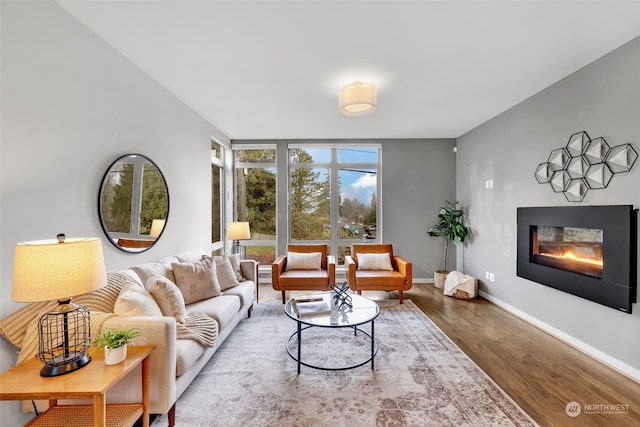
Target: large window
(333, 195)
(217, 189)
(255, 176)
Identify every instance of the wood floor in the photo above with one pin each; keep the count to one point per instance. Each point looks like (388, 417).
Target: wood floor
(539, 372)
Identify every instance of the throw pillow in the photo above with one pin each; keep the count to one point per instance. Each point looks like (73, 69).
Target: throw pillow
(134, 300)
(374, 262)
(197, 281)
(303, 261)
(235, 264)
(168, 297)
(226, 276)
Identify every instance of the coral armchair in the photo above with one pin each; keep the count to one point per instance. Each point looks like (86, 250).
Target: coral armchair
(368, 269)
(304, 268)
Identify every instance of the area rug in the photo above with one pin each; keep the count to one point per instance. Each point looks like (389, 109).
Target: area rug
(421, 378)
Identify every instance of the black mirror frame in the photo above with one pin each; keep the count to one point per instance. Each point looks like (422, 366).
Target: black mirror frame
(103, 225)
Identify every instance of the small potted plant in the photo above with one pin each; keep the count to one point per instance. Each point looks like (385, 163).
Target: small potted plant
(451, 229)
(114, 341)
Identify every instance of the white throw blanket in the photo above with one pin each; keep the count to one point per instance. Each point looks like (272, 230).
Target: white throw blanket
(457, 281)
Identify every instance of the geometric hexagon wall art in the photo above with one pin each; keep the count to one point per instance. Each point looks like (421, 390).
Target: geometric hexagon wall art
(576, 190)
(622, 158)
(558, 159)
(543, 173)
(577, 143)
(598, 176)
(596, 151)
(584, 164)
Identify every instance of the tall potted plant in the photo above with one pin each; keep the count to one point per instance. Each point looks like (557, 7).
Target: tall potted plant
(450, 227)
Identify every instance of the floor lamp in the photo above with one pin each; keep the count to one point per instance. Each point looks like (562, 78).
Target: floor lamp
(59, 269)
(237, 231)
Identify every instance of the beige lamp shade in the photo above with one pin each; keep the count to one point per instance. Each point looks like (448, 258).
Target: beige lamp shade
(51, 270)
(357, 99)
(238, 231)
(157, 225)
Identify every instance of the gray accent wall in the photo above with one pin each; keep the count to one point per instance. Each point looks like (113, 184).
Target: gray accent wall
(71, 105)
(603, 99)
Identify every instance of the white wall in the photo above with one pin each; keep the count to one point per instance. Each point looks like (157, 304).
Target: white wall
(602, 99)
(70, 106)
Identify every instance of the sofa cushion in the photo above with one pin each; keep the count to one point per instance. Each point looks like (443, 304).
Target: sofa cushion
(374, 261)
(148, 270)
(222, 309)
(134, 300)
(187, 352)
(246, 291)
(194, 255)
(303, 261)
(196, 280)
(168, 297)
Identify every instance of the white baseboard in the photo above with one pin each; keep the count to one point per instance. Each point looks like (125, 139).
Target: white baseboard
(608, 360)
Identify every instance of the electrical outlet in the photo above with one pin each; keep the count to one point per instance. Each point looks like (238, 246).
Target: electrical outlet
(492, 277)
(486, 275)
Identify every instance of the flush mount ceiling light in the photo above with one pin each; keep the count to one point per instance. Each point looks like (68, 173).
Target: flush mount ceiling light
(357, 99)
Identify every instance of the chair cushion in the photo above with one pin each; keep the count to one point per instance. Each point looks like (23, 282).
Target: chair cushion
(303, 261)
(379, 279)
(375, 261)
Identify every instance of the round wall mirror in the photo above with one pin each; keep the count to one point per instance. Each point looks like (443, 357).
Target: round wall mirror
(133, 203)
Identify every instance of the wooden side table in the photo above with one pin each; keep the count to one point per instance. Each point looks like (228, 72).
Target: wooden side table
(92, 381)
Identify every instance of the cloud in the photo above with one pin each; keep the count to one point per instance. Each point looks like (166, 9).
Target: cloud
(367, 181)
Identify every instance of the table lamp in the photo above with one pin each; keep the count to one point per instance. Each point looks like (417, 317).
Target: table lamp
(238, 231)
(59, 269)
(157, 225)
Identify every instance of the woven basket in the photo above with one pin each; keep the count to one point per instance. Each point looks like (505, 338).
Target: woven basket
(439, 278)
(465, 295)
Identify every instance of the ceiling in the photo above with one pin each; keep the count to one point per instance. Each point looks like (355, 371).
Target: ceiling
(272, 69)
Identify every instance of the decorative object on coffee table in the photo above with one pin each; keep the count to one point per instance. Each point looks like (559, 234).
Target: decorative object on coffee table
(59, 269)
(450, 227)
(341, 297)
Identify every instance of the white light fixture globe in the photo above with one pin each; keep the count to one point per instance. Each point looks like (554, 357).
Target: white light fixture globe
(357, 99)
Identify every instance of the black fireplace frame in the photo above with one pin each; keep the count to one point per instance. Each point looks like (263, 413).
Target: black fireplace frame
(618, 286)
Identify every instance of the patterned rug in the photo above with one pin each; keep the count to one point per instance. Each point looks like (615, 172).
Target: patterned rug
(421, 378)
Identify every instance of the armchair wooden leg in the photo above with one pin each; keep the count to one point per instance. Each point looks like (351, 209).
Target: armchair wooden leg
(283, 297)
(359, 292)
(401, 297)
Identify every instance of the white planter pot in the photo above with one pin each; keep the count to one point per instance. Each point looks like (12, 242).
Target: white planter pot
(113, 356)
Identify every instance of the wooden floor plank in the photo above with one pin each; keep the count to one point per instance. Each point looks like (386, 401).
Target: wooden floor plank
(539, 372)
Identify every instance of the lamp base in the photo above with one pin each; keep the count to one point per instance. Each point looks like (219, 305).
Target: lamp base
(238, 249)
(55, 370)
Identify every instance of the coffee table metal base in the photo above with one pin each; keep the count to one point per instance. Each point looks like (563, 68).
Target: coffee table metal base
(298, 356)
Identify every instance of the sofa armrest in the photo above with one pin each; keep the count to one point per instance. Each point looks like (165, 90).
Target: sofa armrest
(277, 267)
(405, 268)
(160, 332)
(249, 269)
(351, 270)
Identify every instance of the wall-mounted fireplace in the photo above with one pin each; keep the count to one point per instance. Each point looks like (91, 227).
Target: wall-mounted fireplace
(587, 251)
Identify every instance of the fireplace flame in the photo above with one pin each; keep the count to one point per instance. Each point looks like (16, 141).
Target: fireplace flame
(572, 256)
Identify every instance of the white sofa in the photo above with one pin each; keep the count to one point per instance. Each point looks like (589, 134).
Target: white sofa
(176, 362)
(126, 302)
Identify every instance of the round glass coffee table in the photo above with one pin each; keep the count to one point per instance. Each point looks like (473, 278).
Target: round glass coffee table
(361, 312)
